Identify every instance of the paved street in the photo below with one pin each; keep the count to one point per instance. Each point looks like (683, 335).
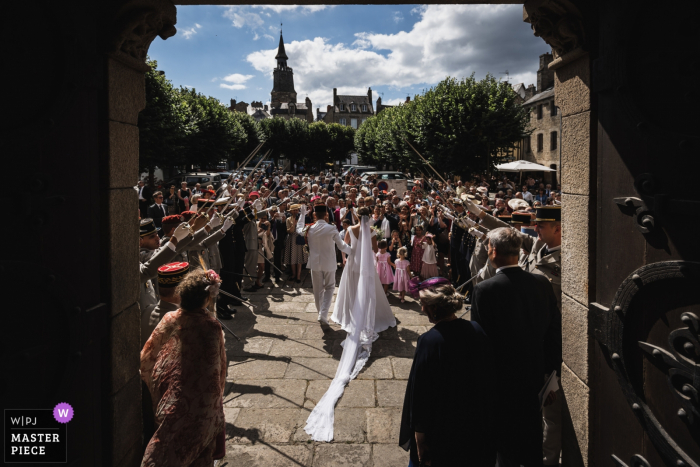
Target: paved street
(284, 364)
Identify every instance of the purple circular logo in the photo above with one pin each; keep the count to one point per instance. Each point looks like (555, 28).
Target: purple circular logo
(63, 412)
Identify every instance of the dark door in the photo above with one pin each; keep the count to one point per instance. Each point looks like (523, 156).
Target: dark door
(645, 371)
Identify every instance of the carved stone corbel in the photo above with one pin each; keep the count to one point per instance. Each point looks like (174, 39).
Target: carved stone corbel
(135, 25)
(559, 23)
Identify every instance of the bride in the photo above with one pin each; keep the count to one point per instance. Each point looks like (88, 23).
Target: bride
(362, 309)
(342, 312)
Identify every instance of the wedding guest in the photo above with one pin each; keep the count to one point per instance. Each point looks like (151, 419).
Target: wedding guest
(184, 367)
(447, 417)
(403, 273)
(417, 253)
(295, 255)
(429, 260)
(384, 265)
(184, 196)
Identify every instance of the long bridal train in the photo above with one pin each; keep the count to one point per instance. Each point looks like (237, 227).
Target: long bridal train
(363, 311)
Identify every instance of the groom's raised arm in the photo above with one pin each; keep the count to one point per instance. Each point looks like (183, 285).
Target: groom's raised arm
(342, 246)
(300, 221)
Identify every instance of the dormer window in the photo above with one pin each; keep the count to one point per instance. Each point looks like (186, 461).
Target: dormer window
(342, 106)
(353, 107)
(364, 107)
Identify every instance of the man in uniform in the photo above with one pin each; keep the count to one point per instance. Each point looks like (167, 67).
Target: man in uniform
(458, 230)
(233, 249)
(250, 234)
(169, 276)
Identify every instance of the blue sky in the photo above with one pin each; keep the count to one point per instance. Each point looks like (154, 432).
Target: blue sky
(399, 50)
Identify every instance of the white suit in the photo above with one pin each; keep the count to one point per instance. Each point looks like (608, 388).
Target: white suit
(322, 236)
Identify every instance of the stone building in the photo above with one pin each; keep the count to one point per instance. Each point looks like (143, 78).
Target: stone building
(381, 106)
(544, 144)
(349, 110)
(283, 98)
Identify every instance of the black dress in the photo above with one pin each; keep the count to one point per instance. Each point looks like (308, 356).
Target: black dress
(449, 396)
(184, 194)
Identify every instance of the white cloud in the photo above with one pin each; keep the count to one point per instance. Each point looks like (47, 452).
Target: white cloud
(447, 40)
(237, 78)
(197, 25)
(188, 33)
(251, 16)
(232, 86)
(398, 17)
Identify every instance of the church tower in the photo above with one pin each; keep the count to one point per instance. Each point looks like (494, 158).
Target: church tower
(283, 82)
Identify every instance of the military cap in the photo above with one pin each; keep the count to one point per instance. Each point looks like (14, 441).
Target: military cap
(548, 214)
(320, 209)
(457, 202)
(521, 217)
(208, 192)
(222, 201)
(171, 221)
(170, 275)
(187, 215)
(205, 203)
(147, 227)
(506, 219)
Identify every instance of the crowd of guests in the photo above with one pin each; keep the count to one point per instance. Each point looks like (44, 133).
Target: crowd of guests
(431, 238)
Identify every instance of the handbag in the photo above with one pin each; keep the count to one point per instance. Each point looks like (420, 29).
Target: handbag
(300, 240)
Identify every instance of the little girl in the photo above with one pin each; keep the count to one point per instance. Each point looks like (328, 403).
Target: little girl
(403, 273)
(386, 275)
(394, 244)
(429, 268)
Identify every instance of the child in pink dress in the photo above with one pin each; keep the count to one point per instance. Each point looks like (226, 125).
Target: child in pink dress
(386, 275)
(403, 273)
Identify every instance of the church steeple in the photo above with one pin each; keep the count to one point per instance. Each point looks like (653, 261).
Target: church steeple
(281, 55)
(283, 78)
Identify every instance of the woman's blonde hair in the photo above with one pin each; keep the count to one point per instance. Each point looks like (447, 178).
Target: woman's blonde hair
(443, 300)
(402, 252)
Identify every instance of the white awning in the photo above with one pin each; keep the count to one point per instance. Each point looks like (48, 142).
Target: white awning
(523, 166)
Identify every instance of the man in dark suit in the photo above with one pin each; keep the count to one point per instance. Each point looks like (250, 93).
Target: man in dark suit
(518, 311)
(279, 233)
(144, 194)
(158, 210)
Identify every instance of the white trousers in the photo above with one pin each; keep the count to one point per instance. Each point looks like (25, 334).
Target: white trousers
(324, 285)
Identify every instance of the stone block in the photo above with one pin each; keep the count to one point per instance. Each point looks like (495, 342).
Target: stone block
(349, 425)
(357, 393)
(315, 331)
(240, 368)
(313, 348)
(411, 319)
(123, 249)
(341, 455)
(267, 455)
(576, 153)
(376, 368)
(267, 425)
(390, 393)
(123, 155)
(575, 238)
(311, 368)
(275, 331)
(302, 318)
(389, 455)
(577, 340)
(389, 348)
(265, 394)
(230, 415)
(403, 332)
(383, 425)
(126, 88)
(125, 338)
(402, 367)
(248, 348)
(577, 398)
(127, 422)
(572, 86)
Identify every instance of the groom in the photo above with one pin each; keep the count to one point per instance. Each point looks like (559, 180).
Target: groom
(321, 236)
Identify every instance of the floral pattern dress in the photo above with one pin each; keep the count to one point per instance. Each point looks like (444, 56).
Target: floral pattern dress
(184, 367)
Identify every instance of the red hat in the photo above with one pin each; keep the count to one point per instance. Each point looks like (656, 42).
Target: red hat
(171, 221)
(208, 192)
(170, 275)
(187, 215)
(254, 193)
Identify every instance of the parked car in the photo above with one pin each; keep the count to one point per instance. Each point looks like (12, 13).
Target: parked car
(203, 178)
(359, 170)
(390, 177)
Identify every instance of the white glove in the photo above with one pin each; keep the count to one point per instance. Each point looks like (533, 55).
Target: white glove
(227, 224)
(471, 207)
(257, 205)
(302, 210)
(240, 203)
(477, 233)
(215, 221)
(181, 231)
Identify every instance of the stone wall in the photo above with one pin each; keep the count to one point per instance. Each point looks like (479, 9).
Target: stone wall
(545, 126)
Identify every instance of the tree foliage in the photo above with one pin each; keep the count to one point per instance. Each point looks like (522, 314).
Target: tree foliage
(458, 125)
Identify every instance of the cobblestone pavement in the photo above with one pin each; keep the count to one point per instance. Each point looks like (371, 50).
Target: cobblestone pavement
(284, 364)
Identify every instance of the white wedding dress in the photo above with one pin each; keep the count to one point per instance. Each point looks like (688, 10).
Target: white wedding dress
(347, 292)
(363, 311)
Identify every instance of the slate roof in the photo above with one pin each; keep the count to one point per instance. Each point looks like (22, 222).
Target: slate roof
(321, 116)
(280, 50)
(357, 100)
(547, 93)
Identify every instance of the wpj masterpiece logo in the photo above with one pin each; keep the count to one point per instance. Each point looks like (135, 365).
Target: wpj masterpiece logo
(37, 435)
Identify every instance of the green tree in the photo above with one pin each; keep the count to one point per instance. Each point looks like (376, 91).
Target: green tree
(459, 126)
(274, 132)
(251, 140)
(163, 124)
(217, 135)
